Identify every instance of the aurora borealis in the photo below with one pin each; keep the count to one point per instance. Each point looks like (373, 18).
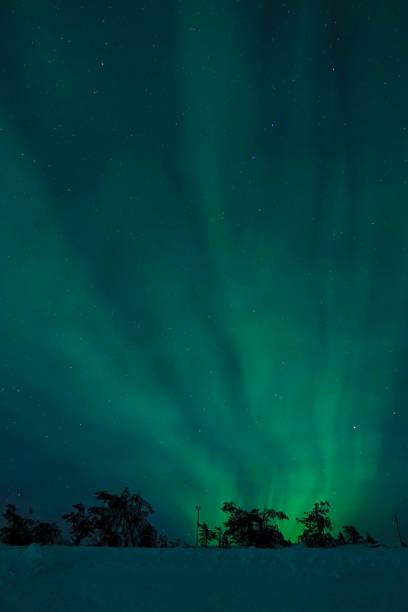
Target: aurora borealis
(204, 257)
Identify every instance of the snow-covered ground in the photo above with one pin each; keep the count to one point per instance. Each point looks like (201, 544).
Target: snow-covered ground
(76, 579)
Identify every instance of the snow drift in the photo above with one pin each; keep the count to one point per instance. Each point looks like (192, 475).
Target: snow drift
(64, 578)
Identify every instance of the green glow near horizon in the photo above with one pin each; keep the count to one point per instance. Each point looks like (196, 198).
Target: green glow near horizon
(204, 270)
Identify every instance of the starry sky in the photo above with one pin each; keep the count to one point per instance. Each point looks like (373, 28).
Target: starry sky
(203, 240)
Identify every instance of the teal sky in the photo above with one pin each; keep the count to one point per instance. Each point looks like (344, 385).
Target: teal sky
(203, 230)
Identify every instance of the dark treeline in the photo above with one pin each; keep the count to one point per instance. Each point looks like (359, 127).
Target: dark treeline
(121, 520)
(260, 529)
(124, 520)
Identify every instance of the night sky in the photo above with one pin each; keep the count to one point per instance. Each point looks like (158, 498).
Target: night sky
(204, 257)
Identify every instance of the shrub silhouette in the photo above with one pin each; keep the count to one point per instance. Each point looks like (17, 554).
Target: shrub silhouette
(148, 536)
(175, 543)
(222, 538)
(162, 541)
(340, 540)
(22, 531)
(352, 535)
(81, 524)
(218, 534)
(206, 535)
(316, 524)
(225, 543)
(18, 531)
(253, 528)
(121, 521)
(370, 540)
(46, 533)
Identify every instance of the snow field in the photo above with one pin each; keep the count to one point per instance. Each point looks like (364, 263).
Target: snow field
(76, 579)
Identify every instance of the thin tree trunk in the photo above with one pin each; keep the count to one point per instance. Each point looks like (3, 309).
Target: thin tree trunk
(398, 530)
